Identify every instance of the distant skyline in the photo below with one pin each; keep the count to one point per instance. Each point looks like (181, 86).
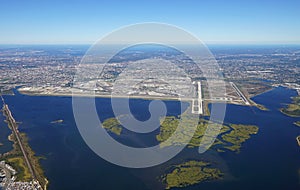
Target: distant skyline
(214, 22)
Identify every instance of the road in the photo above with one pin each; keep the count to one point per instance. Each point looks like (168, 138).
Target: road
(11, 122)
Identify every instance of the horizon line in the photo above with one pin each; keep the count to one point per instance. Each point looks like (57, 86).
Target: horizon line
(205, 43)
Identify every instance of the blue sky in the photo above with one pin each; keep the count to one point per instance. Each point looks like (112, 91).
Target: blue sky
(79, 21)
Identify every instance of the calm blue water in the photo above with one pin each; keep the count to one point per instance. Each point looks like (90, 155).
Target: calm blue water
(269, 160)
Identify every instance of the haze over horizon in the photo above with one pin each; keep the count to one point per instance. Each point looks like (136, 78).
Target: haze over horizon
(214, 22)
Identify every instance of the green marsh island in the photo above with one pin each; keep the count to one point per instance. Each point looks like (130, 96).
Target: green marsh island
(230, 138)
(189, 173)
(292, 109)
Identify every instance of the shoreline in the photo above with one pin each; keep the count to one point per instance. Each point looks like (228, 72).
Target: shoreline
(141, 97)
(297, 123)
(146, 97)
(21, 156)
(298, 140)
(290, 115)
(14, 154)
(293, 107)
(262, 92)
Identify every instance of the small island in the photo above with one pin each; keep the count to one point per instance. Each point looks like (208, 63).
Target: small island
(190, 173)
(112, 125)
(230, 137)
(238, 135)
(169, 125)
(297, 123)
(57, 121)
(292, 109)
(298, 140)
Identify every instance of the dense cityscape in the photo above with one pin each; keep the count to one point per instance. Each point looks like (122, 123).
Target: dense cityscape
(46, 70)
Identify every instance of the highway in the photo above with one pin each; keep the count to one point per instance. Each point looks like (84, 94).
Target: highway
(12, 123)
